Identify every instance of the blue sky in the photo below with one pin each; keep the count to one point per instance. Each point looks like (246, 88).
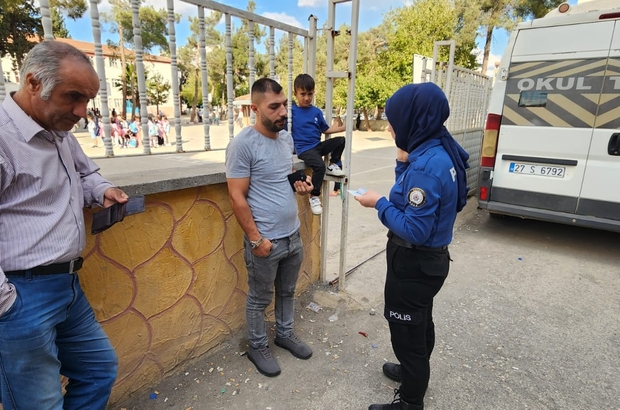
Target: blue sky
(294, 12)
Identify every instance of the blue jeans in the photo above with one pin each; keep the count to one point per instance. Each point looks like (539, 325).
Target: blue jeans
(280, 269)
(51, 330)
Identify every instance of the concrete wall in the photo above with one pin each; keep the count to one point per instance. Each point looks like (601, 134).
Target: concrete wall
(169, 285)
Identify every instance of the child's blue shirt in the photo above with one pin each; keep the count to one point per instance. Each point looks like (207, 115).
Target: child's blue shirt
(308, 125)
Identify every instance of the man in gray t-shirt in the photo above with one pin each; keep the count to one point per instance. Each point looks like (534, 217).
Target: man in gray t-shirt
(267, 162)
(258, 162)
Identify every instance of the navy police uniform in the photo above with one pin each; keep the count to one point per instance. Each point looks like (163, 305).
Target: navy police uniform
(420, 213)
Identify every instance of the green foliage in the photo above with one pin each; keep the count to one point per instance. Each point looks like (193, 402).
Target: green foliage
(190, 89)
(533, 9)
(157, 90)
(131, 79)
(59, 29)
(74, 9)
(506, 14)
(281, 62)
(18, 22)
(414, 30)
(153, 24)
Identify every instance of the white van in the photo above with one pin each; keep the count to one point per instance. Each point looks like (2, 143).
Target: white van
(551, 147)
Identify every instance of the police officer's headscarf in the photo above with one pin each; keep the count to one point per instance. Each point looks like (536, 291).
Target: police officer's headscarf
(417, 113)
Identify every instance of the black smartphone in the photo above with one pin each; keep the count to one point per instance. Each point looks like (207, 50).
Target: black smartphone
(107, 217)
(296, 176)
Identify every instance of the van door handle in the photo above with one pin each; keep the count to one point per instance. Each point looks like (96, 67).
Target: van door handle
(614, 145)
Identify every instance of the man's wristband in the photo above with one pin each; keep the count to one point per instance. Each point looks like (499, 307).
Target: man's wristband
(255, 244)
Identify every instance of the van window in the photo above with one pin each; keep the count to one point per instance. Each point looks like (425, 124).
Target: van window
(533, 99)
(589, 40)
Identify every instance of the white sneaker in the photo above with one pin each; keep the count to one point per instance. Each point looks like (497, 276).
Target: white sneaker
(334, 170)
(315, 205)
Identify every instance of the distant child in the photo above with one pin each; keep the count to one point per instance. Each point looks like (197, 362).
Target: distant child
(166, 128)
(94, 130)
(153, 132)
(308, 124)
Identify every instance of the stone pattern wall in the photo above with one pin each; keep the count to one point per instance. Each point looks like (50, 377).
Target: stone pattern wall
(169, 285)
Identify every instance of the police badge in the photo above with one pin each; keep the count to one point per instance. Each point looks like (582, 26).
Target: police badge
(416, 197)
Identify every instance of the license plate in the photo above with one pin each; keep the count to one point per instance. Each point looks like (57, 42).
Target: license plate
(541, 170)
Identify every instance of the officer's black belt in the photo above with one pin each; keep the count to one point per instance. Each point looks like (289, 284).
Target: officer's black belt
(55, 268)
(401, 242)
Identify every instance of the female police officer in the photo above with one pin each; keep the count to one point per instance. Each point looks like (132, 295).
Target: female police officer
(430, 189)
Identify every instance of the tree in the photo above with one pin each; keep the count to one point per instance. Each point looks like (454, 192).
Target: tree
(59, 28)
(373, 85)
(154, 31)
(506, 14)
(74, 9)
(534, 9)
(158, 90)
(281, 62)
(413, 30)
(189, 59)
(241, 53)
(496, 13)
(19, 22)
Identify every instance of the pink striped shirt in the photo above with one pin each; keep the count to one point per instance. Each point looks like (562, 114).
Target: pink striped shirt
(45, 181)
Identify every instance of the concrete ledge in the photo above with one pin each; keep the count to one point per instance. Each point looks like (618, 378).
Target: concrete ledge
(154, 174)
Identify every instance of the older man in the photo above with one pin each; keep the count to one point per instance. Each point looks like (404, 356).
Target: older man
(47, 326)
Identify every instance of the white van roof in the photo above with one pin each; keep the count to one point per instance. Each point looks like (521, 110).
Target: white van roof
(576, 13)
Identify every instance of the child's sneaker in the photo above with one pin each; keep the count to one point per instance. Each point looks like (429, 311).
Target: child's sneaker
(334, 170)
(315, 205)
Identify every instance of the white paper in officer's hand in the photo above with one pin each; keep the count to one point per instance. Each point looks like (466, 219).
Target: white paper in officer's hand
(357, 192)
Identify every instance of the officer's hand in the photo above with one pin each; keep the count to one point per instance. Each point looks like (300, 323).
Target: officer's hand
(264, 249)
(402, 155)
(114, 195)
(369, 199)
(304, 187)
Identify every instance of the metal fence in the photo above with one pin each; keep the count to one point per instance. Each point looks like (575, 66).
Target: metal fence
(468, 93)
(309, 42)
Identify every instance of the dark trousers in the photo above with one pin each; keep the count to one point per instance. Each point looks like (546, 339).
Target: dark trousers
(314, 159)
(413, 279)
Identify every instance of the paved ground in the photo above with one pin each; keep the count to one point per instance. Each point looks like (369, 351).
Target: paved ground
(528, 318)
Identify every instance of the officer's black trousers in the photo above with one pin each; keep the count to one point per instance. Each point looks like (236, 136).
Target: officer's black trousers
(413, 278)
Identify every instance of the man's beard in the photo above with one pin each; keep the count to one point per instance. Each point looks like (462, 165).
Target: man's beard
(273, 125)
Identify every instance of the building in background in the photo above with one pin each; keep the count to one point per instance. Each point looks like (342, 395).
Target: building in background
(112, 60)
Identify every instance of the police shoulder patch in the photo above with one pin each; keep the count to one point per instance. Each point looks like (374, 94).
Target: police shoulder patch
(416, 197)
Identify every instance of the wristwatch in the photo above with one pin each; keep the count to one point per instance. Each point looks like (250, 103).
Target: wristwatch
(255, 244)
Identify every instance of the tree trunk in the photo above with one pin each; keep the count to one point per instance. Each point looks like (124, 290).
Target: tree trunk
(487, 49)
(338, 119)
(123, 72)
(366, 120)
(195, 95)
(135, 92)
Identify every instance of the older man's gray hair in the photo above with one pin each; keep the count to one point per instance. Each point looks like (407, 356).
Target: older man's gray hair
(44, 60)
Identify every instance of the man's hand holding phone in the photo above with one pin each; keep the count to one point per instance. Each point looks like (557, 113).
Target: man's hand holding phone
(300, 182)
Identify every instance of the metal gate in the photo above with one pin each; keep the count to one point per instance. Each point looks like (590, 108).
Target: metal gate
(468, 94)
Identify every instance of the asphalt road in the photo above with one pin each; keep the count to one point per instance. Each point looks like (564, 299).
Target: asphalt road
(528, 319)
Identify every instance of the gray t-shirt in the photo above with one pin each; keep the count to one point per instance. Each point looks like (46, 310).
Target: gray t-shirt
(267, 162)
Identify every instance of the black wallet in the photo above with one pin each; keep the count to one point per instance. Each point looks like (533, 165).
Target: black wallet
(296, 176)
(107, 217)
